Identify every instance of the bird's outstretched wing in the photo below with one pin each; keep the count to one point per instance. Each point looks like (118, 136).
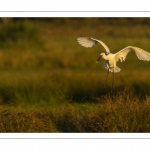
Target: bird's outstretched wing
(89, 42)
(140, 53)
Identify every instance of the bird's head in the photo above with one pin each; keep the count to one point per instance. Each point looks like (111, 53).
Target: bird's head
(102, 55)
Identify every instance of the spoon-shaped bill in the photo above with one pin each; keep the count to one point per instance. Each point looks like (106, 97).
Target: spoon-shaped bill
(99, 58)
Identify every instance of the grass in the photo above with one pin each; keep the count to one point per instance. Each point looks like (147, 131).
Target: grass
(49, 83)
(121, 115)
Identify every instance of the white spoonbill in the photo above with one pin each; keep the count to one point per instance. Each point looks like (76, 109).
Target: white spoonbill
(111, 59)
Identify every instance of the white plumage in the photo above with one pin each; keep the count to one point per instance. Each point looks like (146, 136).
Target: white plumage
(111, 59)
(89, 42)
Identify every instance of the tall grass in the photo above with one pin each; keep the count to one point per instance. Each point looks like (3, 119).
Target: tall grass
(121, 115)
(49, 83)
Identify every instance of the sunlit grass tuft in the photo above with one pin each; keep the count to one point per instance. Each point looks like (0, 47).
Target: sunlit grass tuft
(119, 115)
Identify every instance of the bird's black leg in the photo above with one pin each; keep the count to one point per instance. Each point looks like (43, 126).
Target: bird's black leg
(112, 88)
(113, 81)
(106, 78)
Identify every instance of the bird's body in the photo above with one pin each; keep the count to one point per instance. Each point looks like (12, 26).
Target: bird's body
(112, 59)
(110, 63)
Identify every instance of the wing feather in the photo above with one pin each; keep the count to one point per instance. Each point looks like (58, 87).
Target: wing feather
(89, 42)
(140, 53)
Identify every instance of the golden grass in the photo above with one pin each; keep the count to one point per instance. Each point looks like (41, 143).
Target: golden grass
(120, 115)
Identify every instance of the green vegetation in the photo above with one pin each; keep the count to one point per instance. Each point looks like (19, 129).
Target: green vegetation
(49, 83)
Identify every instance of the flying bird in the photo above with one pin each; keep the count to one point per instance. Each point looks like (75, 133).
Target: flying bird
(112, 59)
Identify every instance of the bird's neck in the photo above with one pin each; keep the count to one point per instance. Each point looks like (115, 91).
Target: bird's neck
(105, 57)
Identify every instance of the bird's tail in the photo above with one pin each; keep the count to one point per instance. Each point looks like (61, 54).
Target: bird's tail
(116, 69)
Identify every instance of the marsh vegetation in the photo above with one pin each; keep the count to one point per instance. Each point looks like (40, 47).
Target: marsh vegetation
(49, 83)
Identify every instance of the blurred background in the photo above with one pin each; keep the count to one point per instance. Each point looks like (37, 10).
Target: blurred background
(41, 62)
